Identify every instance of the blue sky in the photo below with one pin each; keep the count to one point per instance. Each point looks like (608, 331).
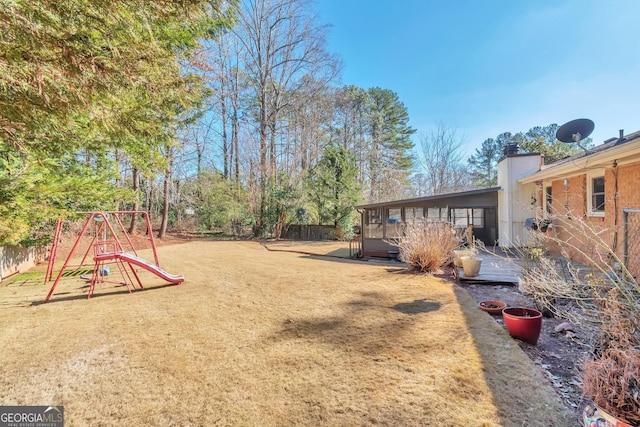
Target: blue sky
(491, 66)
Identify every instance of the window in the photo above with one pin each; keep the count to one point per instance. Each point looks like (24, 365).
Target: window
(460, 218)
(595, 195)
(478, 218)
(373, 224)
(413, 215)
(463, 217)
(437, 214)
(548, 198)
(394, 222)
(394, 215)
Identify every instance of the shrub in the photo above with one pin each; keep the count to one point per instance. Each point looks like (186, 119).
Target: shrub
(427, 247)
(610, 298)
(548, 278)
(612, 376)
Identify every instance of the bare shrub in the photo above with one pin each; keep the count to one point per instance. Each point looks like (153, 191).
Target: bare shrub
(547, 277)
(609, 296)
(427, 247)
(612, 377)
(612, 380)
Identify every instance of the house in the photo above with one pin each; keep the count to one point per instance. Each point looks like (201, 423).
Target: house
(497, 214)
(383, 221)
(598, 185)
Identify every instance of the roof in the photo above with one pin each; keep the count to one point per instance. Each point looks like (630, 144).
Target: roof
(431, 198)
(614, 149)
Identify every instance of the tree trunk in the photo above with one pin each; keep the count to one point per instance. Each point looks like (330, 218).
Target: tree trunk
(136, 205)
(225, 142)
(234, 142)
(165, 196)
(282, 217)
(259, 225)
(272, 149)
(165, 206)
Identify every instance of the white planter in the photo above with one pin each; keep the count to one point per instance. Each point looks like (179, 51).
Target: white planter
(459, 253)
(471, 266)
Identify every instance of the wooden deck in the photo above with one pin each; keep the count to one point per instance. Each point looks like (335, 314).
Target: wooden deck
(496, 268)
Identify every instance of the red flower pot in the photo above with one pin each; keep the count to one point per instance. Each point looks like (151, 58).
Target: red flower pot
(492, 306)
(523, 323)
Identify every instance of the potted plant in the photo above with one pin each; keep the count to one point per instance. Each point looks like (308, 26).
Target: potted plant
(471, 265)
(464, 252)
(523, 323)
(492, 306)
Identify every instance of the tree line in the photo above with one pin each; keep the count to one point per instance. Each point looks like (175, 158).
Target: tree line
(210, 115)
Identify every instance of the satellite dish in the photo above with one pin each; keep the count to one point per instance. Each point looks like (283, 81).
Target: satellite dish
(575, 131)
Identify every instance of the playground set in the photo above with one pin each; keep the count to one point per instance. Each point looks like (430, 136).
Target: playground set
(108, 249)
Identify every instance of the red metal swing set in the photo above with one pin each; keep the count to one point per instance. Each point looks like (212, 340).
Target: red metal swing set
(108, 249)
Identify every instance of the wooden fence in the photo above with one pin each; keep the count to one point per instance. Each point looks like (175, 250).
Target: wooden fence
(310, 232)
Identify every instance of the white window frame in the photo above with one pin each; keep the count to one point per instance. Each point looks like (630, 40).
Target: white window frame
(590, 177)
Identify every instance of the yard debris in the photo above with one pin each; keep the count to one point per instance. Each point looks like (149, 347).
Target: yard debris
(564, 327)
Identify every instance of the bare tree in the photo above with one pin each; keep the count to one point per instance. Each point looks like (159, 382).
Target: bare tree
(282, 43)
(169, 153)
(441, 159)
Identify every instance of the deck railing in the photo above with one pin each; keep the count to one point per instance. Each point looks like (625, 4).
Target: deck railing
(355, 247)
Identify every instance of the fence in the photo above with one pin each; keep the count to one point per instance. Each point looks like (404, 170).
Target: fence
(17, 259)
(310, 232)
(631, 231)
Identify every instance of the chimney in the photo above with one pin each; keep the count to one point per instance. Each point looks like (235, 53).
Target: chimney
(621, 138)
(511, 149)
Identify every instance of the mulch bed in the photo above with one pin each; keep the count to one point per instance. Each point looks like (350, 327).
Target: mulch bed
(558, 353)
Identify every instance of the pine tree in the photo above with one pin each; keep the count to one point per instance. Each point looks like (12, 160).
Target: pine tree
(390, 158)
(483, 164)
(332, 185)
(81, 80)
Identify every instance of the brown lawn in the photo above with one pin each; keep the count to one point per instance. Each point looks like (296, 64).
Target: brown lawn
(267, 338)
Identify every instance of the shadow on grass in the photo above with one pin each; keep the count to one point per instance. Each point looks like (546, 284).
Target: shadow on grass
(121, 291)
(521, 393)
(416, 307)
(366, 324)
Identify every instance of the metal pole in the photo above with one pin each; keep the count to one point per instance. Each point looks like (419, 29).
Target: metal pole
(625, 228)
(153, 243)
(66, 262)
(54, 251)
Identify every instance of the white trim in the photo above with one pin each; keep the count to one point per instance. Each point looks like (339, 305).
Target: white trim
(629, 152)
(590, 177)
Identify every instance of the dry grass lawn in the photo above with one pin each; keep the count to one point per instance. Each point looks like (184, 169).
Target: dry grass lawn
(267, 338)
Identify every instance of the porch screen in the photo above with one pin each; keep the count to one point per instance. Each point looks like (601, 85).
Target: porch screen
(413, 215)
(463, 217)
(394, 222)
(460, 218)
(373, 224)
(437, 214)
(478, 218)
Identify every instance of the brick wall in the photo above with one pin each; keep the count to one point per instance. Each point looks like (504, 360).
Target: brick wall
(622, 190)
